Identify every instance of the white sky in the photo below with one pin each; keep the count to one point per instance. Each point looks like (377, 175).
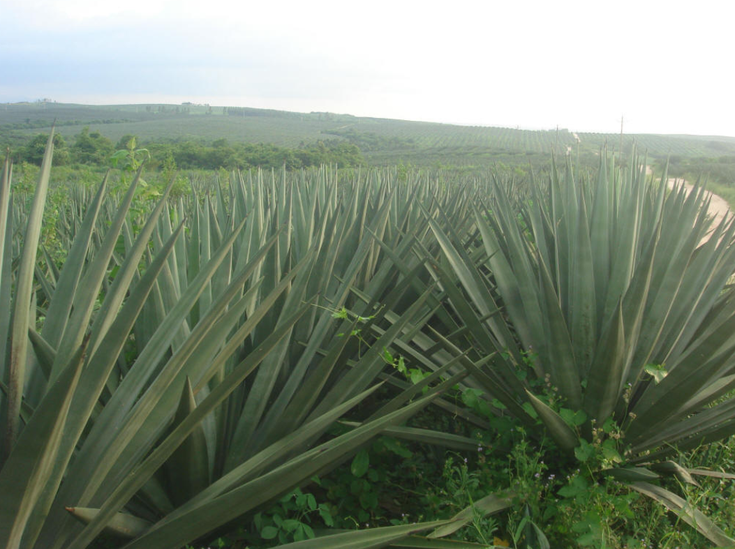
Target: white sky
(665, 66)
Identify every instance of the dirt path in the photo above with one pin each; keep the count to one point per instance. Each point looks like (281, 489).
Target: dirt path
(718, 206)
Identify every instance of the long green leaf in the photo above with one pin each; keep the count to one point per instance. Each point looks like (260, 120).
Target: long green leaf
(562, 434)
(135, 480)
(121, 525)
(240, 500)
(16, 360)
(98, 369)
(604, 382)
(488, 505)
(373, 538)
(686, 512)
(188, 467)
(31, 462)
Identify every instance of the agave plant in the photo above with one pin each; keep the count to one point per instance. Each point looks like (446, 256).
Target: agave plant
(181, 368)
(618, 291)
(183, 365)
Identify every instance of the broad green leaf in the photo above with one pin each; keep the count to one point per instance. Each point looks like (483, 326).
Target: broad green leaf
(360, 463)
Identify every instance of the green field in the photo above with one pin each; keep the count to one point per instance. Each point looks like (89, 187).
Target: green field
(383, 141)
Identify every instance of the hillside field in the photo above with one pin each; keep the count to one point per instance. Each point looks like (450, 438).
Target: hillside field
(382, 141)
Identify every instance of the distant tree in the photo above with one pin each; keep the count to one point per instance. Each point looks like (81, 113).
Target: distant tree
(91, 147)
(188, 155)
(33, 151)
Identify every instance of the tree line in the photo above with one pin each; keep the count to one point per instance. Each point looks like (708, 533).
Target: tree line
(94, 149)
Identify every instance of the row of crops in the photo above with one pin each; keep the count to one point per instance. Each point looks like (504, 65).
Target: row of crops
(428, 137)
(419, 143)
(662, 146)
(176, 365)
(434, 136)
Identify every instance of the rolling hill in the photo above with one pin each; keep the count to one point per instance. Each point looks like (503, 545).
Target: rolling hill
(383, 141)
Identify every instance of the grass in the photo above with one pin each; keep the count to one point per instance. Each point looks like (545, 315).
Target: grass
(725, 191)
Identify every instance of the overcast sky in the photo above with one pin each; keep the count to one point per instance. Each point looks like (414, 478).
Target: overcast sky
(666, 67)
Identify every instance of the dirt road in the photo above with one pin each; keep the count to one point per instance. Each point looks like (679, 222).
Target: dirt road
(718, 206)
